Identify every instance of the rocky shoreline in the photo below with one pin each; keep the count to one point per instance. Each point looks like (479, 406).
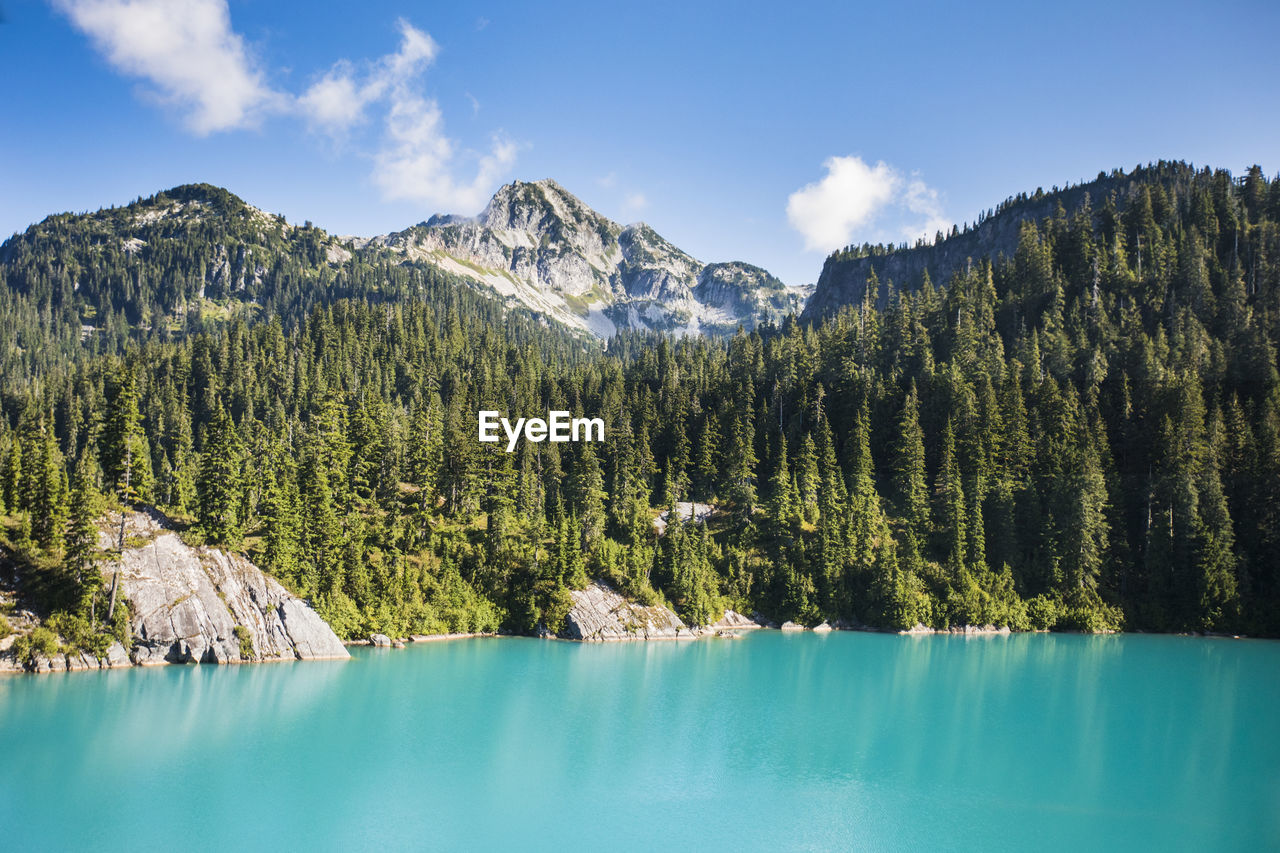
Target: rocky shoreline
(600, 614)
(193, 605)
(202, 605)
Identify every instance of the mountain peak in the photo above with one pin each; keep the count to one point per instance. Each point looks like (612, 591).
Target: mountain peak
(538, 244)
(523, 205)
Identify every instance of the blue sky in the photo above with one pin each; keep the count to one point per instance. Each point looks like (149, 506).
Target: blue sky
(754, 132)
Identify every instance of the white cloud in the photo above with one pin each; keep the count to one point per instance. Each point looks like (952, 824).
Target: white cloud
(415, 160)
(853, 196)
(187, 50)
(334, 102)
(923, 200)
(828, 211)
(635, 202)
(337, 101)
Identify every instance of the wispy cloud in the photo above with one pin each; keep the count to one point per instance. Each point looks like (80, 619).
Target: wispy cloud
(416, 160)
(853, 195)
(187, 50)
(337, 101)
(635, 203)
(923, 200)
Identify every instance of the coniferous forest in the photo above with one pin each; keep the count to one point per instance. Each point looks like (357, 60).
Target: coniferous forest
(1082, 433)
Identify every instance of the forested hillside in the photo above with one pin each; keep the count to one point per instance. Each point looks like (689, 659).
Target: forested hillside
(1082, 435)
(995, 232)
(181, 262)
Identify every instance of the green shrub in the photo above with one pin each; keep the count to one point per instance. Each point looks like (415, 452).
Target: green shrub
(41, 641)
(246, 643)
(1042, 613)
(341, 613)
(121, 630)
(5, 630)
(1087, 612)
(79, 634)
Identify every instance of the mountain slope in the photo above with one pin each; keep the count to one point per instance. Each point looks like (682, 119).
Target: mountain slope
(845, 273)
(173, 262)
(191, 259)
(538, 244)
(163, 254)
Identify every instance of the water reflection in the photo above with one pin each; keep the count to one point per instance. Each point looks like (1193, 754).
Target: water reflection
(860, 740)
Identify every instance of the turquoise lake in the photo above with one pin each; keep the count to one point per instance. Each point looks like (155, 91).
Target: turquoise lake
(843, 741)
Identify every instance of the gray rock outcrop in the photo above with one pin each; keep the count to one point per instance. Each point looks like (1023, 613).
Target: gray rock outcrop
(203, 605)
(733, 620)
(599, 613)
(115, 658)
(538, 245)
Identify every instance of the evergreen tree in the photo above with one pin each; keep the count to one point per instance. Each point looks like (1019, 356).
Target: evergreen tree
(909, 474)
(81, 546)
(218, 485)
(125, 451)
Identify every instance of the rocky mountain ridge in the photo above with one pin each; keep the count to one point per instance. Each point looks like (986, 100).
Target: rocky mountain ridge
(200, 251)
(541, 246)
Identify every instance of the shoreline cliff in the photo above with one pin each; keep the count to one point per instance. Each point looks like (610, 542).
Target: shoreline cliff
(191, 605)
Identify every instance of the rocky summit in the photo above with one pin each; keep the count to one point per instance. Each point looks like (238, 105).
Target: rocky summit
(538, 245)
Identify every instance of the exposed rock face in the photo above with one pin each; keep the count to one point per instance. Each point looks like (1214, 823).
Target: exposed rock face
(537, 244)
(687, 511)
(116, 658)
(600, 613)
(966, 630)
(792, 626)
(187, 604)
(735, 621)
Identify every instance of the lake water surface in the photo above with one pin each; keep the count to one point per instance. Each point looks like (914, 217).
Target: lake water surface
(843, 741)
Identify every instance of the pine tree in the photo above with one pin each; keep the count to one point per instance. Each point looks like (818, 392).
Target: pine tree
(281, 525)
(909, 474)
(808, 480)
(1215, 558)
(1086, 527)
(45, 487)
(588, 495)
(950, 510)
(740, 481)
(218, 485)
(784, 510)
(125, 451)
(81, 545)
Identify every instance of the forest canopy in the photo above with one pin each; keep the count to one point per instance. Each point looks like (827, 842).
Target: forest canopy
(1082, 434)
